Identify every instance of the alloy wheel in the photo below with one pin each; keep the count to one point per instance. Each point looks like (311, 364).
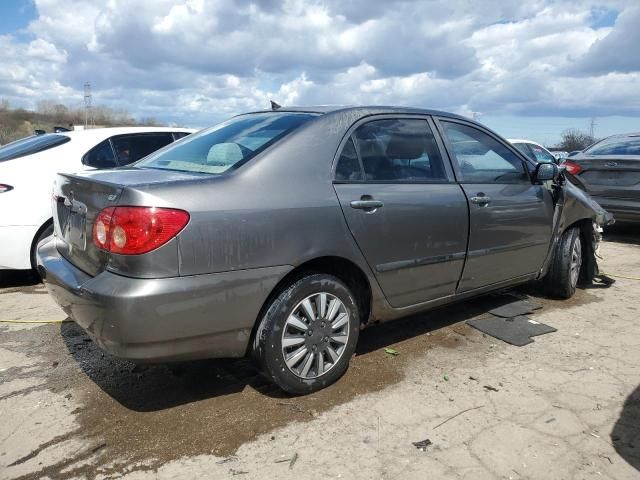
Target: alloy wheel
(315, 335)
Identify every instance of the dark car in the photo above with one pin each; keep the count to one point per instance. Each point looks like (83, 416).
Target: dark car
(610, 172)
(279, 234)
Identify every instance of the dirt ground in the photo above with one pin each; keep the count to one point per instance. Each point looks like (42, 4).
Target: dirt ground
(566, 406)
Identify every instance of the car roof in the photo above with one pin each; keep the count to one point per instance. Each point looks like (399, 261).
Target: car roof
(623, 135)
(110, 131)
(363, 110)
(522, 140)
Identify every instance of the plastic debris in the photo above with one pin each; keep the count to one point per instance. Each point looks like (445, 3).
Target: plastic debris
(422, 444)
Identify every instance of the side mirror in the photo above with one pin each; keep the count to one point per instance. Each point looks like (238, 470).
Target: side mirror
(546, 171)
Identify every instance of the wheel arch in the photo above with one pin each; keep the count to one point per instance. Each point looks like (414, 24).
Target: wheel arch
(345, 270)
(34, 242)
(589, 264)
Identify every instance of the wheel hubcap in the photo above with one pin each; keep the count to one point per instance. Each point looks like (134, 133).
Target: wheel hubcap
(576, 262)
(315, 335)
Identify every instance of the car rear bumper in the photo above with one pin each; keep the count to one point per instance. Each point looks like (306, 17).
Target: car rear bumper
(623, 210)
(15, 246)
(154, 320)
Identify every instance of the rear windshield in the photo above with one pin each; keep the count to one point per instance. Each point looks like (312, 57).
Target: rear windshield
(616, 146)
(228, 145)
(31, 145)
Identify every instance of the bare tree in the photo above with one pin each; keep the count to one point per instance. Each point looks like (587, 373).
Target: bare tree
(574, 139)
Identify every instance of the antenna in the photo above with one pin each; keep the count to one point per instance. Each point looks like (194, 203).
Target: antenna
(88, 114)
(274, 105)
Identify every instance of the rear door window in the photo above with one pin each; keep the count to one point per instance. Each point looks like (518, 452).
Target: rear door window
(524, 149)
(541, 155)
(31, 145)
(481, 158)
(399, 150)
(348, 168)
(100, 156)
(131, 148)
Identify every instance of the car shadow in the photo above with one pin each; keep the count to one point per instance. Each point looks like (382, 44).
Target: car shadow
(626, 431)
(148, 388)
(18, 278)
(623, 233)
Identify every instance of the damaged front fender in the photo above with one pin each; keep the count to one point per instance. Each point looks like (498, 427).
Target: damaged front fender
(575, 207)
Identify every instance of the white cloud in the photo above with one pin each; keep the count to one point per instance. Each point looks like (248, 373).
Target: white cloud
(198, 61)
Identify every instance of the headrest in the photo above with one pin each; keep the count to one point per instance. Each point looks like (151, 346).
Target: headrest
(405, 147)
(222, 154)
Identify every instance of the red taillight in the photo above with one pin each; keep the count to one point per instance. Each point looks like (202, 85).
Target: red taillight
(572, 167)
(136, 230)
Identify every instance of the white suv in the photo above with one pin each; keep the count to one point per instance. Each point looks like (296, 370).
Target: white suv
(28, 166)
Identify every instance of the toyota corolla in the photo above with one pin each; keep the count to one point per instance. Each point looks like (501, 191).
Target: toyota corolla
(280, 234)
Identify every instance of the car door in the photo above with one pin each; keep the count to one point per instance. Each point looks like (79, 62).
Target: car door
(510, 218)
(403, 207)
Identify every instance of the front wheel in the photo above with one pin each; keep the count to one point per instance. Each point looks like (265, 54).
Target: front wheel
(564, 272)
(308, 334)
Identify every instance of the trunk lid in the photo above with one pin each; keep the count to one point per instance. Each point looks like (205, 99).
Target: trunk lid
(78, 198)
(611, 176)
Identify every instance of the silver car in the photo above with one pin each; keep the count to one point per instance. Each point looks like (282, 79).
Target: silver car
(610, 172)
(280, 234)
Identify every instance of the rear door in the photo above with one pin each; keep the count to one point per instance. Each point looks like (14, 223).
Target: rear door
(510, 218)
(403, 207)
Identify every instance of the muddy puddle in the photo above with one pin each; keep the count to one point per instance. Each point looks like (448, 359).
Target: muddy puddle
(147, 416)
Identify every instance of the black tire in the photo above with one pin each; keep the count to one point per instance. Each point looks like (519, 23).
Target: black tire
(274, 327)
(564, 274)
(45, 231)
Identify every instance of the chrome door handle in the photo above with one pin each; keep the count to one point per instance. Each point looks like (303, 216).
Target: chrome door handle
(370, 205)
(480, 200)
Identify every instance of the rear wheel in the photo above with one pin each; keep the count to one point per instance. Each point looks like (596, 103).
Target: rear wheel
(564, 273)
(308, 334)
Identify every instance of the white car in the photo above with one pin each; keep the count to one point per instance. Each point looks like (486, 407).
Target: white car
(28, 167)
(533, 150)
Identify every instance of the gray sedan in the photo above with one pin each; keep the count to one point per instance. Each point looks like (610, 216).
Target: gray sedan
(280, 234)
(610, 172)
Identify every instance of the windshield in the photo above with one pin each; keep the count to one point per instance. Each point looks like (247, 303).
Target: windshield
(31, 145)
(228, 145)
(616, 146)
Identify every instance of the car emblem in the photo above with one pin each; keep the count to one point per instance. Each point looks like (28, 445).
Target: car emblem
(612, 164)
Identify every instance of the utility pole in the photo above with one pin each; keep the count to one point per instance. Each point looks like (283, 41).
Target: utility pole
(592, 127)
(88, 116)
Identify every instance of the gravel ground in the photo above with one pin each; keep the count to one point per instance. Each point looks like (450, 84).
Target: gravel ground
(566, 406)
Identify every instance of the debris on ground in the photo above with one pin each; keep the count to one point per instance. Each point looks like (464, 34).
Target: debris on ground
(457, 415)
(237, 472)
(490, 388)
(515, 331)
(422, 444)
(391, 351)
(227, 460)
(293, 461)
(515, 309)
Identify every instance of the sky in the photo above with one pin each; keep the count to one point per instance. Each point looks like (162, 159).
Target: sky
(526, 68)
